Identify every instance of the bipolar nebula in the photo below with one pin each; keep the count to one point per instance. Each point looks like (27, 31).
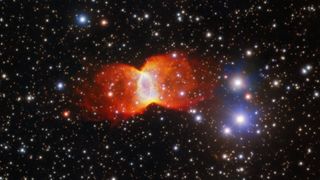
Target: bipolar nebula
(120, 91)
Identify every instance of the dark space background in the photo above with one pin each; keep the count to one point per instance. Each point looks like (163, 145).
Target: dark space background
(47, 47)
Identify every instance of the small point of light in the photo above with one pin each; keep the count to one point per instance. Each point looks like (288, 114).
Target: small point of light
(241, 169)
(300, 163)
(60, 86)
(306, 69)
(309, 67)
(66, 113)
(249, 53)
(182, 93)
(22, 150)
(192, 111)
(174, 55)
(227, 130)
(224, 156)
(248, 96)
(30, 97)
(208, 34)
(276, 83)
(82, 19)
(110, 94)
(240, 156)
(198, 118)
(104, 22)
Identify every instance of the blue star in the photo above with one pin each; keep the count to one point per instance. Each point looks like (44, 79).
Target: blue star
(60, 86)
(82, 19)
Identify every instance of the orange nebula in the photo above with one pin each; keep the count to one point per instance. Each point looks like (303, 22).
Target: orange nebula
(122, 91)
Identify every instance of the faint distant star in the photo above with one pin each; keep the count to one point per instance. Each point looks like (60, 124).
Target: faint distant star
(258, 131)
(82, 19)
(198, 118)
(66, 113)
(174, 55)
(182, 93)
(306, 69)
(4, 76)
(227, 130)
(248, 96)
(276, 83)
(240, 156)
(22, 150)
(30, 98)
(60, 85)
(208, 34)
(249, 53)
(192, 111)
(175, 148)
(104, 22)
(224, 156)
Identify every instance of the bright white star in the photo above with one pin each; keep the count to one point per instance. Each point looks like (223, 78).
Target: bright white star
(240, 119)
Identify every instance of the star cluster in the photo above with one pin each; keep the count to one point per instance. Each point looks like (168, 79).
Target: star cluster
(261, 120)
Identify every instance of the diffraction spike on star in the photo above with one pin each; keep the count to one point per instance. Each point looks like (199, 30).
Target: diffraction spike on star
(120, 91)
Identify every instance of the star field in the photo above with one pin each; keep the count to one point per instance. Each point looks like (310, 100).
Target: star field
(261, 120)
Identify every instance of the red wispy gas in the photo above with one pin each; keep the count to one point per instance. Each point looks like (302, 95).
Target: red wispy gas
(120, 91)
